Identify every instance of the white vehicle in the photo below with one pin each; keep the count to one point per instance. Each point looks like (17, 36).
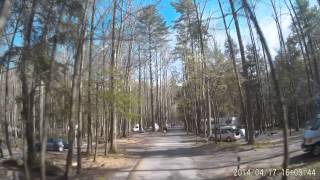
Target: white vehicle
(227, 134)
(311, 137)
(156, 127)
(242, 132)
(136, 128)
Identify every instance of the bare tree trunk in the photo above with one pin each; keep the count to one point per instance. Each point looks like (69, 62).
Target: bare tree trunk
(282, 106)
(6, 97)
(106, 129)
(113, 126)
(97, 117)
(232, 56)
(46, 99)
(25, 156)
(146, 92)
(27, 91)
(74, 92)
(151, 81)
(260, 96)
(184, 114)
(140, 100)
(314, 60)
(89, 120)
(205, 78)
(286, 55)
(5, 8)
(79, 118)
(127, 89)
(157, 90)
(104, 111)
(245, 74)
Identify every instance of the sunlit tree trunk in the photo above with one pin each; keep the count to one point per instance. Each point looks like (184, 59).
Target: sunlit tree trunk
(113, 125)
(5, 7)
(96, 130)
(89, 109)
(140, 99)
(151, 80)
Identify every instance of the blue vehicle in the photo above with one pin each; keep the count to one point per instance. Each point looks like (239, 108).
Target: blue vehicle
(54, 144)
(311, 136)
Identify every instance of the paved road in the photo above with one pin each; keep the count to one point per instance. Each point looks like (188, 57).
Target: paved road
(174, 156)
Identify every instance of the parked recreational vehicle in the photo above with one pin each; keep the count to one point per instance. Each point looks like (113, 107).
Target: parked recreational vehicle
(223, 121)
(227, 121)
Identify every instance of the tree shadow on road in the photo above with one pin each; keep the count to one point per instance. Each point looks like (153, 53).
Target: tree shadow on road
(306, 158)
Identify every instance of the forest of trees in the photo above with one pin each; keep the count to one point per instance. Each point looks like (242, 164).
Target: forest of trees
(88, 70)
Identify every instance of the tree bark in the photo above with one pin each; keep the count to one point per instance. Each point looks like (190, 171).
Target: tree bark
(245, 75)
(113, 126)
(79, 117)
(205, 78)
(6, 96)
(151, 80)
(140, 99)
(74, 91)
(89, 120)
(27, 91)
(5, 9)
(232, 56)
(282, 106)
(97, 115)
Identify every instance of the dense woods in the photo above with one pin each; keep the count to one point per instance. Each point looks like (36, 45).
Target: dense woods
(87, 71)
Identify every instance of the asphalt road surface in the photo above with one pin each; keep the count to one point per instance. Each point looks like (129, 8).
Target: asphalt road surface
(177, 156)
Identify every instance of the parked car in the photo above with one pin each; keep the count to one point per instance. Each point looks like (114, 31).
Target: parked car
(226, 134)
(311, 137)
(136, 128)
(54, 144)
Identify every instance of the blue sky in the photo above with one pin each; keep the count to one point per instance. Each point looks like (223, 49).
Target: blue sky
(263, 11)
(168, 11)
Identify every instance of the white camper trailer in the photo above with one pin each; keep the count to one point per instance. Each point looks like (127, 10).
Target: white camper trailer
(223, 121)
